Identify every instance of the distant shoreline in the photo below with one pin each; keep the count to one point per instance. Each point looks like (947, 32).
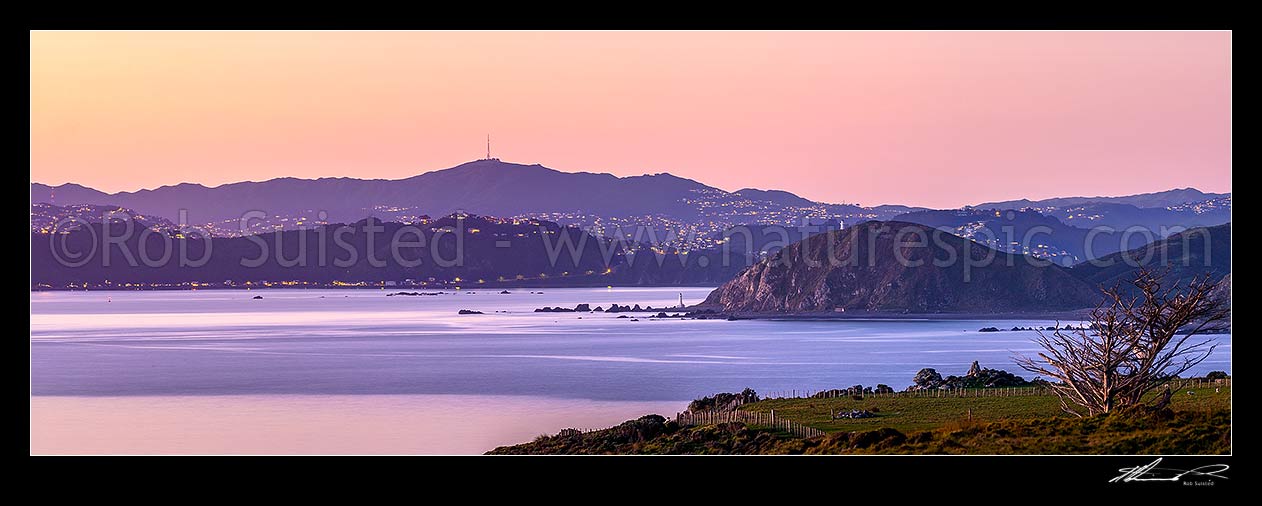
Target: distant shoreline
(1080, 314)
(483, 286)
(854, 315)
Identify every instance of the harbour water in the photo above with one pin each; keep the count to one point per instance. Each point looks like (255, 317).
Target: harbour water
(355, 371)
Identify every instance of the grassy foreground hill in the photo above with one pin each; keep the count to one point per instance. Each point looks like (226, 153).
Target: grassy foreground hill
(1197, 423)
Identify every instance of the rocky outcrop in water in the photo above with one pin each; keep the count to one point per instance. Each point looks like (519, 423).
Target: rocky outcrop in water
(587, 308)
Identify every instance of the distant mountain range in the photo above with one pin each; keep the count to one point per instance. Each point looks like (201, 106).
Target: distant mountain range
(1027, 232)
(1162, 213)
(738, 239)
(488, 187)
(485, 187)
(1158, 220)
(681, 214)
(1168, 198)
(468, 251)
(867, 274)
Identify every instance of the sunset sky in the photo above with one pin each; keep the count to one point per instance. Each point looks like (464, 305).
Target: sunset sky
(937, 119)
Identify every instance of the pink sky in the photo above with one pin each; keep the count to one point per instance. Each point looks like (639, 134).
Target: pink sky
(925, 118)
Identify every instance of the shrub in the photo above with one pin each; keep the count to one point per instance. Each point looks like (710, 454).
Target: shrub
(724, 401)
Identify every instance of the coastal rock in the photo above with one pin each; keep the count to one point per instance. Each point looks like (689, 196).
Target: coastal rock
(986, 378)
(976, 377)
(927, 378)
(549, 309)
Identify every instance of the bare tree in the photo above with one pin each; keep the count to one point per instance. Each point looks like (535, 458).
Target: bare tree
(1138, 339)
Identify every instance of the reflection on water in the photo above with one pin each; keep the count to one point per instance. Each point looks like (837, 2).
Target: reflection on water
(312, 424)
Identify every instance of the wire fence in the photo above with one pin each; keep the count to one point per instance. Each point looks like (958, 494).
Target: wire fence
(838, 393)
(768, 419)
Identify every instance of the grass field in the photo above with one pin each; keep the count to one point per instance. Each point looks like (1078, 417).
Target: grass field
(908, 414)
(1199, 424)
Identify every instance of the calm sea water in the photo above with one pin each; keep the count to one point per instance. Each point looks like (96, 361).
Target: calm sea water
(355, 371)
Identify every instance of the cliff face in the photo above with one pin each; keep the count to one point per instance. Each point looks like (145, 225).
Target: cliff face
(898, 266)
